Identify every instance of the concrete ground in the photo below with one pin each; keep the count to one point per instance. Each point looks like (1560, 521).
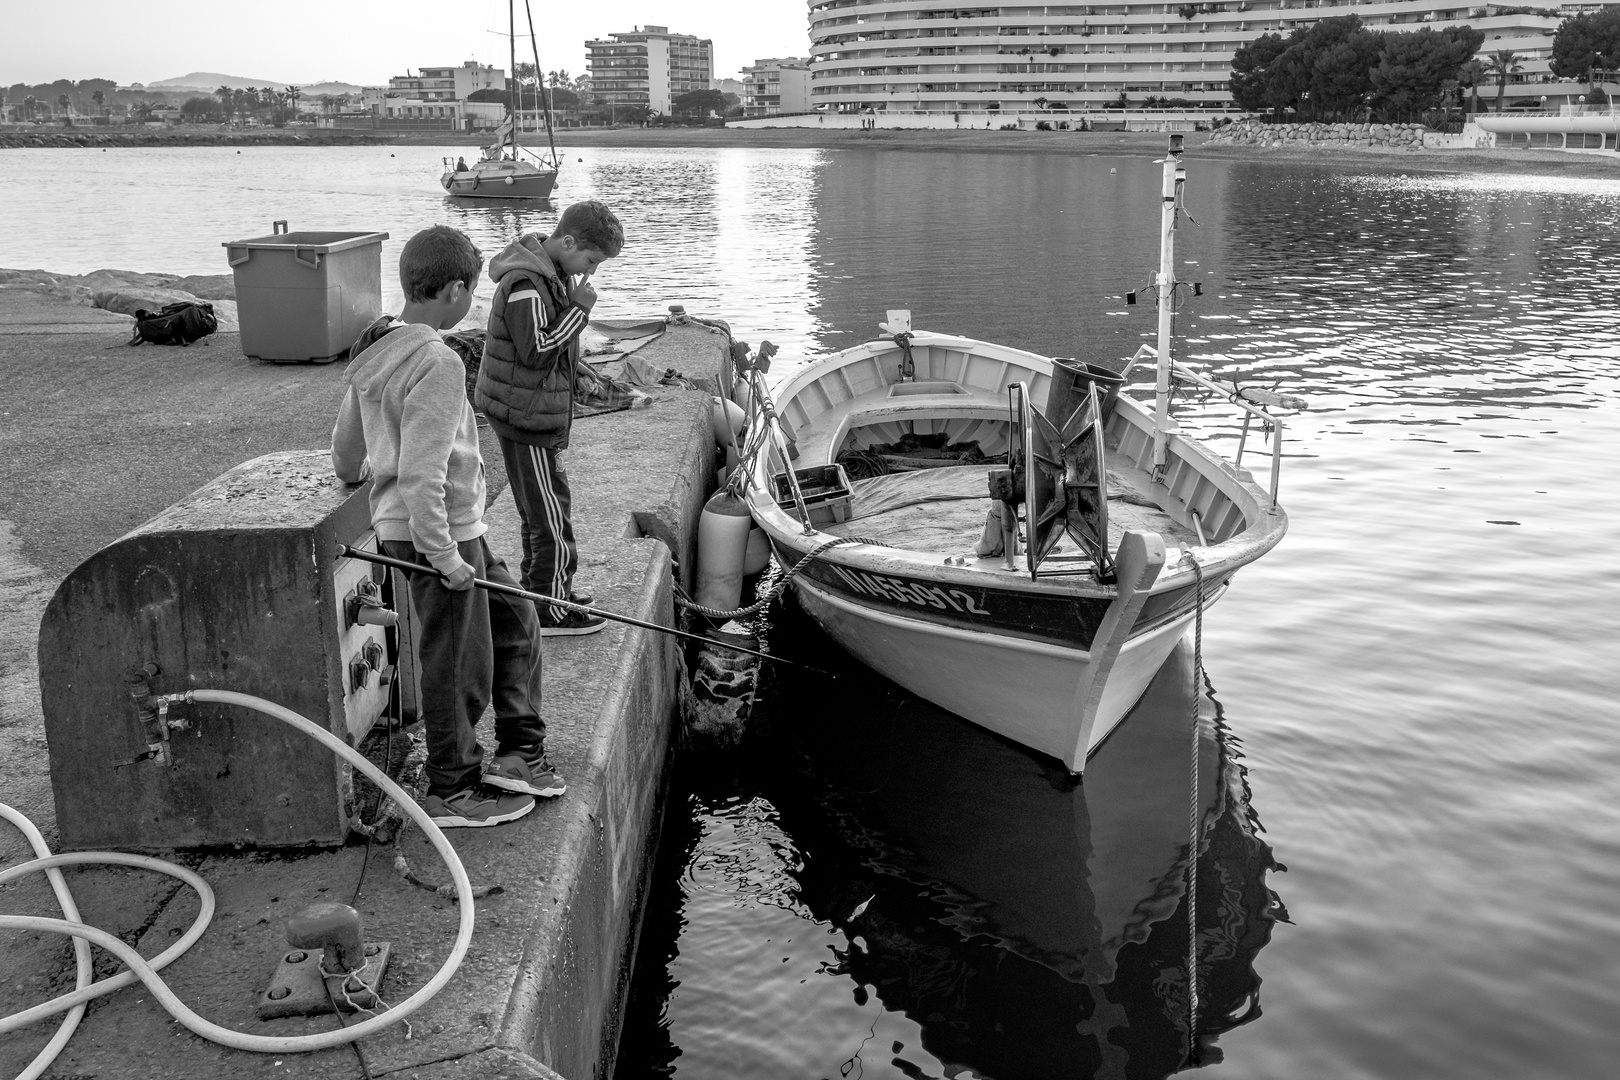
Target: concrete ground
(95, 439)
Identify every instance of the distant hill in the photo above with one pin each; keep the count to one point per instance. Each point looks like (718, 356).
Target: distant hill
(207, 81)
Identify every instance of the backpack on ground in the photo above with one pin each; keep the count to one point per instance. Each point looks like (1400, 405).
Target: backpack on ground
(177, 324)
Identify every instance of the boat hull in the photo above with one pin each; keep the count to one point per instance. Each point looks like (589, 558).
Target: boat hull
(1022, 689)
(530, 183)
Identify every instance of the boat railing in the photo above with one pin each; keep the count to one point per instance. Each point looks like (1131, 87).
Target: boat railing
(1249, 400)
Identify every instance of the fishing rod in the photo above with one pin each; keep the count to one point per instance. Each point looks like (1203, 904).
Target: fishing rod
(513, 590)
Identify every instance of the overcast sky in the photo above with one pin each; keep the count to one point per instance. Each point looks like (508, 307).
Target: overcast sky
(357, 41)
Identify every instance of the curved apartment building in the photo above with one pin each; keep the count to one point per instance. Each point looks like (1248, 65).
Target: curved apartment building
(935, 55)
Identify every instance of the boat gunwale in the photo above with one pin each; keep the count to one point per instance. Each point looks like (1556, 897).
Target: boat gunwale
(1268, 521)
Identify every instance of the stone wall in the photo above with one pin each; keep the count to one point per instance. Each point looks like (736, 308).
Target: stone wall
(1371, 136)
(19, 138)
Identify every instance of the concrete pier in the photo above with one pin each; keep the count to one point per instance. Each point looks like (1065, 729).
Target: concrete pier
(95, 441)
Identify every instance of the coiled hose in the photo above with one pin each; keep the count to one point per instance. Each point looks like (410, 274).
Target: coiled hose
(146, 971)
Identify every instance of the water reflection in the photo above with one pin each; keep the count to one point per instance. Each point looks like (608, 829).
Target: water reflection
(1414, 290)
(920, 898)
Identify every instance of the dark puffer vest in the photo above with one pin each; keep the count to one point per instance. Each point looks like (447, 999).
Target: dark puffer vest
(528, 399)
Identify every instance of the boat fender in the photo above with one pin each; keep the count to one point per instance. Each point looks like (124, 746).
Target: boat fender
(722, 546)
(508, 181)
(758, 554)
(727, 419)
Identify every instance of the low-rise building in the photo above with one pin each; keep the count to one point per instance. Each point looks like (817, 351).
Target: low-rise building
(434, 98)
(648, 67)
(776, 86)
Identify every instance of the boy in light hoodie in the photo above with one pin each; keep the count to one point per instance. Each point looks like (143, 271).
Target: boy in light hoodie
(406, 423)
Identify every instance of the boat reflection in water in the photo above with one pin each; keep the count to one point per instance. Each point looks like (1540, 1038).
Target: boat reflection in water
(1024, 925)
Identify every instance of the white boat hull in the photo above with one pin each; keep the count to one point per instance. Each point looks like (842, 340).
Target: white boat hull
(1020, 689)
(500, 180)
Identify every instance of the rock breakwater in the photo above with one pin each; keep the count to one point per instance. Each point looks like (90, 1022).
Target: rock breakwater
(59, 138)
(1328, 136)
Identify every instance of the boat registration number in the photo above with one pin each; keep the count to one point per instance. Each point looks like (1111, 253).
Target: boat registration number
(909, 592)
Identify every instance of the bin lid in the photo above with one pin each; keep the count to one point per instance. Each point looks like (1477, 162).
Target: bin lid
(319, 242)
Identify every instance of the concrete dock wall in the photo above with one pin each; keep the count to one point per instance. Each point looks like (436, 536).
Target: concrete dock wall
(542, 989)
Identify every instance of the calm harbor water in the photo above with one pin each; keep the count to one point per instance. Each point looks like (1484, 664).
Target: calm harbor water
(1412, 703)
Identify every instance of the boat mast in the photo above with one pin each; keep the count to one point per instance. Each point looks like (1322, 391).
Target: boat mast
(1175, 175)
(545, 95)
(517, 88)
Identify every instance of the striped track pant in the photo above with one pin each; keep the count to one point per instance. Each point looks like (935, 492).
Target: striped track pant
(540, 490)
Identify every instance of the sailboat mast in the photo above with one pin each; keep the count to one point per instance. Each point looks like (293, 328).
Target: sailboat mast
(545, 95)
(517, 88)
(1174, 176)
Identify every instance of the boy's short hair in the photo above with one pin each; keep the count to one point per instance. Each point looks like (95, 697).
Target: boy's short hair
(435, 257)
(592, 225)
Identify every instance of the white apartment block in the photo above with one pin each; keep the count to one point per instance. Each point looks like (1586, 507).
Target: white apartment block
(913, 55)
(648, 66)
(776, 86)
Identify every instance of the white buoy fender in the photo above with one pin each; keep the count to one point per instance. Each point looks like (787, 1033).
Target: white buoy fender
(722, 543)
(758, 555)
(508, 179)
(727, 419)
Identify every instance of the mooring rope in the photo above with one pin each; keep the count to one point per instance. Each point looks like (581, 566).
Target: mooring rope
(781, 585)
(1193, 818)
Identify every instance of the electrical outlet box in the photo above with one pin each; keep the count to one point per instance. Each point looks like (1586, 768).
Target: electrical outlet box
(237, 587)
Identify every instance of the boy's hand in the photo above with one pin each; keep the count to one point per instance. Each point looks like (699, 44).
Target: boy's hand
(583, 295)
(460, 579)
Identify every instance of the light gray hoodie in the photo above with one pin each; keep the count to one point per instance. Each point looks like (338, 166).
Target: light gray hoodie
(407, 417)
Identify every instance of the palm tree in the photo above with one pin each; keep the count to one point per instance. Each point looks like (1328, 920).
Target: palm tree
(226, 97)
(1471, 75)
(62, 103)
(100, 99)
(29, 101)
(142, 110)
(293, 94)
(1502, 64)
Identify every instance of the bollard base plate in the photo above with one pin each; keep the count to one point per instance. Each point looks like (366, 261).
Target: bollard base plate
(298, 989)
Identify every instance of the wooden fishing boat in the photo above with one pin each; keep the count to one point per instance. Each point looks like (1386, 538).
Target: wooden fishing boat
(1115, 528)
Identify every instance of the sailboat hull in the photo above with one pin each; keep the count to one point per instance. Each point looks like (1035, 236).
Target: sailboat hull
(500, 180)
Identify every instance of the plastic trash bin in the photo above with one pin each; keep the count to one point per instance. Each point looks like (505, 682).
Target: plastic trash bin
(305, 296)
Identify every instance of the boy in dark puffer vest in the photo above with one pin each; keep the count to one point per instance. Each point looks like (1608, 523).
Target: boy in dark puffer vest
(543, 299)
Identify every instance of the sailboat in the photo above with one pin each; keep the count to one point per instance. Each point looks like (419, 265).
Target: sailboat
(503, 172)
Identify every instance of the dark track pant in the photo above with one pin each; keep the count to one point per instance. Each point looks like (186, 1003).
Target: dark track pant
(477, 648)
(540, 490)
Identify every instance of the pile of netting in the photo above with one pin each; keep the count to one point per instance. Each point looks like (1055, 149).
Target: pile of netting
(913, 452)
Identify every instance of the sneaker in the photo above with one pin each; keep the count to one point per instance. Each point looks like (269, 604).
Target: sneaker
(570, 624)
(475, 808)
(532, 775)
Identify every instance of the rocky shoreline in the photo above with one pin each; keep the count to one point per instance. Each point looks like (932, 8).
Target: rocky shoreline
(126, 291)
(1369, 136)
(90, 138)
